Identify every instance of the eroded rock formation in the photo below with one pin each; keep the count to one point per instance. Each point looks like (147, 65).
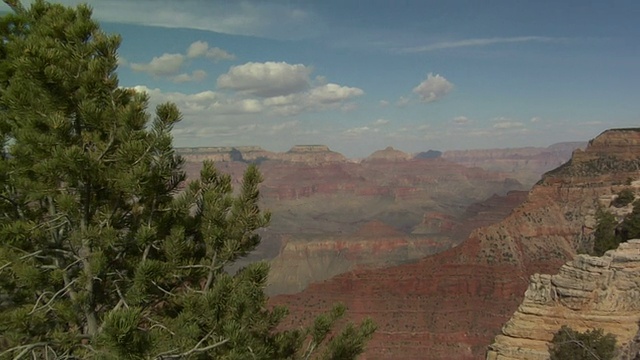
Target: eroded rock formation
(451, 305)
(587, 293)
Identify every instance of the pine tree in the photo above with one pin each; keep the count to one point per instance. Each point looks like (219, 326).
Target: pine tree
(590, 345)
(605, 234)
(105, 251)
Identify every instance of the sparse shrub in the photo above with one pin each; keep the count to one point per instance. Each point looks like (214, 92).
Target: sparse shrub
(624, 198)
(605, 235)
(590, 345)
(630, 227)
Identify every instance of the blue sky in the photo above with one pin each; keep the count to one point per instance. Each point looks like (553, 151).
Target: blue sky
(362, 75)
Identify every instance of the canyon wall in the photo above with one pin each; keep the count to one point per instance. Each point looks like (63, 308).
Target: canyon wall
(451, 305)
(320, 204)
(525, 164)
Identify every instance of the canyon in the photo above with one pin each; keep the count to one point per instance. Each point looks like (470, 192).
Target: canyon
(331, 214)
(451, 305)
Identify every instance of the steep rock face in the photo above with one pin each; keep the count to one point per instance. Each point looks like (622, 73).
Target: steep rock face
(525, 164)
(374, 245)
(452, 304)
(587, 293)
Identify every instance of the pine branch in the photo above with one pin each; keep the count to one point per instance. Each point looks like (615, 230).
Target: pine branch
(25, 349)
(61, 291)
(196, 349)
(211, 274)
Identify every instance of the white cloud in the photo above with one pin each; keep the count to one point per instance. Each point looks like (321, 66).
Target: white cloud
(384, 103)
(163, 65)
(264, 19)
(197, 49)
(216, 54)
(535, 119)
(433, 88)
(268, 79)
(324, 97)
(479, 42)
(169, 65)
(205, 103)
(380, 122)
(201, 49)
(196, 75)
(231, 107)
(333, 93)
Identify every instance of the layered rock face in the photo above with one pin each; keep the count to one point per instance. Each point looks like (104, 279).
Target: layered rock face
(525, 164)
(376, 244)
(587, 293)
(451, 305)
(320, 203)
(310, 259)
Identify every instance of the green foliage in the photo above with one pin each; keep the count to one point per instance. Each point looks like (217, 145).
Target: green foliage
(609, 233)
(624, 198)
(630, 227)
(590, 345)
(105, 251)
(605, 234)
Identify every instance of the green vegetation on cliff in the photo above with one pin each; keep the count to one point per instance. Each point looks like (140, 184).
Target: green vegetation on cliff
(609, 233)
(590, 345)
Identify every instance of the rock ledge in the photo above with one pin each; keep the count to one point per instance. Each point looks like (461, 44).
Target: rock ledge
(587, 293)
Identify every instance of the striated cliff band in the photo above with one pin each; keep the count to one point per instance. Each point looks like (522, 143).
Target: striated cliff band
(525, 164)
(323, 206)
(587, 293)
(451, 305)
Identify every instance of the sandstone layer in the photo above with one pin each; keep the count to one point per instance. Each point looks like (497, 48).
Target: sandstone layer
(587, 293)
(525, 164)
(451, 305)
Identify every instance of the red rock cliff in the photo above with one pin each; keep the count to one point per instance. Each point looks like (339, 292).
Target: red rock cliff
(451, 305)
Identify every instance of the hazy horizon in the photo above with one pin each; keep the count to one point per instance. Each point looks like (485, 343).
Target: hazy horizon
(360, 76)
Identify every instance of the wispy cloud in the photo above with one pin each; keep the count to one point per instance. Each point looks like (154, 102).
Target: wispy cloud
(478, 43)
(249, 17)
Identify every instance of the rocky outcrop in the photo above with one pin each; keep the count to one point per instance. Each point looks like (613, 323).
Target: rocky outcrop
(452, 305)
(587, 293)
